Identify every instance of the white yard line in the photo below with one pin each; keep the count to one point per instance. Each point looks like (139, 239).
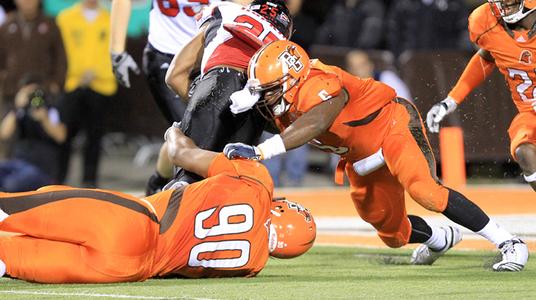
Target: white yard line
(117, 296)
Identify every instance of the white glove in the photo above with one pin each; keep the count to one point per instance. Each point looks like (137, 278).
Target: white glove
(122, 63)
(438, 112)
(244, 99)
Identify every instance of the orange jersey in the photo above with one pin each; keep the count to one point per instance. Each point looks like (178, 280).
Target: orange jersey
(217, 227)
(221, 226)
(514, 53)
(366, 97)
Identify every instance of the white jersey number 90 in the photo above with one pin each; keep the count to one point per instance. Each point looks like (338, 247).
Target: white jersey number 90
(223, 228)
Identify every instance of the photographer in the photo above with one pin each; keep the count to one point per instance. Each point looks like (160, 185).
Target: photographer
(37, 132)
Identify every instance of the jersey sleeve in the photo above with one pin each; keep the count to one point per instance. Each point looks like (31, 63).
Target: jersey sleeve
(318, 89)
(206, 15)
(241, 167)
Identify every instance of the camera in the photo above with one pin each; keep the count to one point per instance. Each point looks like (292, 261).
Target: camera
(37, 99)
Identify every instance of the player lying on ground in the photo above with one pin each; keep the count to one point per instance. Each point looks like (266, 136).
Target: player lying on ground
(217, 227)
(363, 121)
(504, 31)
(229, 36)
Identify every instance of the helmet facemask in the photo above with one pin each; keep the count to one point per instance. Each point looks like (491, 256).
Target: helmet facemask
(511, 11)
(272, 103)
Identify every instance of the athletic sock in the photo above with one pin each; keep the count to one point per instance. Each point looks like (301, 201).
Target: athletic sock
(420, 230)
(3, 215)
(2, 268)
(464, 212)
(495, 233)
(438, 240)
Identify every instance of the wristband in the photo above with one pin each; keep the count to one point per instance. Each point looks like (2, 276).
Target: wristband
(272, 147)
(530, 178)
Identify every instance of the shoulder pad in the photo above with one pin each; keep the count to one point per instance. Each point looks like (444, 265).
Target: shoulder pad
(481, 21)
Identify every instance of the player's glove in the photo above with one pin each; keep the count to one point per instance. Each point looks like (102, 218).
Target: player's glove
(241, 150)
(244, 99)
(122, 63)
(438, 112)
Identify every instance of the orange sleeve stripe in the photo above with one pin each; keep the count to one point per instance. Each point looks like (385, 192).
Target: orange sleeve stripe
(475, 72)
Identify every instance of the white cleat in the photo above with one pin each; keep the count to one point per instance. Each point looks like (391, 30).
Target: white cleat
(515, 254)
(423, 255)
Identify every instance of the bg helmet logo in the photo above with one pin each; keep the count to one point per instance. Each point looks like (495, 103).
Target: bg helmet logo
(291, 58)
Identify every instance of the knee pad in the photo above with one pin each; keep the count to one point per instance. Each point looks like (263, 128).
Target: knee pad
(433, 197)
(396, 240)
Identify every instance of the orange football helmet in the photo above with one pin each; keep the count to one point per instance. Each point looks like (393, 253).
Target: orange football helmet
(512, 11)
(276, 71)
(292, 230)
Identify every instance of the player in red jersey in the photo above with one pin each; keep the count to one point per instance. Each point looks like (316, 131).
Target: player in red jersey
(360, 119)
(230, 34)
(217, 227)
(505, 33)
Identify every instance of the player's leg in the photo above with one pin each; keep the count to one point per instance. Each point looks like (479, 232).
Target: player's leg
(522, 133)
(99, 219)
(155, 66)
(379, 199)
(405, 154)
(48, 261)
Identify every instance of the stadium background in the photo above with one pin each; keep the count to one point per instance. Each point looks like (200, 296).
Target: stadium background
(133, 121)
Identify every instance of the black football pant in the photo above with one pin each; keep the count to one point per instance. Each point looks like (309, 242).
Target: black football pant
(209, 122)
(155, 66)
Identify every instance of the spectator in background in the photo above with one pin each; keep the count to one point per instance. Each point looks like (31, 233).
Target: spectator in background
(353, 23)
(305, 26)
(427, 24)
(29, 43)
(2, 15)
(37, 131)
(358, 63)
(90, 83)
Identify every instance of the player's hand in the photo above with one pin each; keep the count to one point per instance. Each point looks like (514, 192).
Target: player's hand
(438, 112)
(241, 150)
(122, 63)
(244, 99)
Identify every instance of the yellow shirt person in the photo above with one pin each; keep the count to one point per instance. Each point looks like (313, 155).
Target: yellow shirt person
(86, 38)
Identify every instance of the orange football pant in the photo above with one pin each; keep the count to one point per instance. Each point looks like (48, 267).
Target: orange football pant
(77, 235)
(379, 196)
(522, 130)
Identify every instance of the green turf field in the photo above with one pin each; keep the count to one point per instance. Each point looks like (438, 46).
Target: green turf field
(323, 273)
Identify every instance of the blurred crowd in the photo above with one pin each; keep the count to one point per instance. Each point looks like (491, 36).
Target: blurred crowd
(56, 78)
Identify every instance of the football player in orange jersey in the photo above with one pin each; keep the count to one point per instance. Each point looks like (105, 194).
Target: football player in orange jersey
(217, 227)
(504, 31)
(364, 122)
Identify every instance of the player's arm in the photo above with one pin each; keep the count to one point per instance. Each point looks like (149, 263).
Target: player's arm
(477, 70)
(178, 74)
(122, 62)
(120, 15)
(308, 126)
(184, 153)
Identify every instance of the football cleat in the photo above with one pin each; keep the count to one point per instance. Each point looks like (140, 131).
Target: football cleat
(423, 255)
(515, 254)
